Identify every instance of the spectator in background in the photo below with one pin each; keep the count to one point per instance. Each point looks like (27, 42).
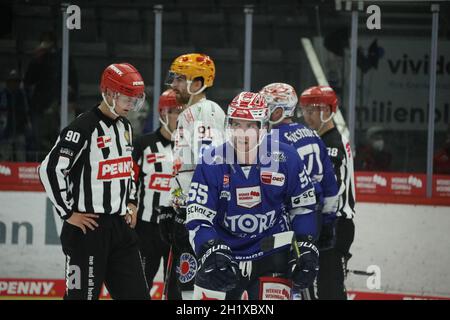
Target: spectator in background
(372, 156)
(43, 80)
(441, 159)
(15, 122)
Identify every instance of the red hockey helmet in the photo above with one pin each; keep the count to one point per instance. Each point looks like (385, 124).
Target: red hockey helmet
(122, 78)
(126, 83)
(318, 96)
(168, 101)
(249, 106)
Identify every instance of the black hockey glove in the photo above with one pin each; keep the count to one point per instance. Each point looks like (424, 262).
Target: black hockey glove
(304, 264)
(217, 270)
(180, 233)
(165, 224)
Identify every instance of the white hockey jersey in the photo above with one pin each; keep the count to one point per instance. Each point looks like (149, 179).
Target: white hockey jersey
(200, 125)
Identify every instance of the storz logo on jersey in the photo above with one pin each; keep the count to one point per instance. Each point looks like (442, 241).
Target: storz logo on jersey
(248, 197)
(273, 178)
(187, 267)
(160, 182)
(306, 198)
(115, 169)
(250, 223)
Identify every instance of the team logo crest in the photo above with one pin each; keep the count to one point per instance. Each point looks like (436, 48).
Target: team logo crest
(248, 197)
(187, 268)
(127, 136)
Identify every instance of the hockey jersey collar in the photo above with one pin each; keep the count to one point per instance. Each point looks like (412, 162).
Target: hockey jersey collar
(165, 142)
(107, 120)
(329, 132)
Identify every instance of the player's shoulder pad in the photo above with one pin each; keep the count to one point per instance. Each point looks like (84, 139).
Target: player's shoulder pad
(283, 153)
(85, 123)
(145, 139)
(288, 149)
(217, 155)
(211, 108)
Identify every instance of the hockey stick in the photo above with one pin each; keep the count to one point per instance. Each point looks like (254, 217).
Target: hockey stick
(168, 272)
(360, 272)
(304, 294)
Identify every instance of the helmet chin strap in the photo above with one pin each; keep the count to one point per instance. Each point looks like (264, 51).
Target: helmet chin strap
(324, 121)
(272, 123)
(192, 94)
(111, 108)
(165, 124)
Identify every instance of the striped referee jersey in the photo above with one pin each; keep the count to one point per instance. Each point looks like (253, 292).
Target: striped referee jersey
(153, 154)
(341, 156)
(90, 167)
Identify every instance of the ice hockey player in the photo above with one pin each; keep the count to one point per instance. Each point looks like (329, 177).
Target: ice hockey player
(251, 212)
(201, 124)
(318, 105)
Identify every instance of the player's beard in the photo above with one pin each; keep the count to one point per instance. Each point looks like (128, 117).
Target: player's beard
(182, 97)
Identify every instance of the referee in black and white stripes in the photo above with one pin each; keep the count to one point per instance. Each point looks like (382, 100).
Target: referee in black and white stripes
(88, 177)
(319, 105)
(153, 157)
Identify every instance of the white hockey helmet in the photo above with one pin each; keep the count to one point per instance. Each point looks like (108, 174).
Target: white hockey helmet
(280, 95)
(248, 106)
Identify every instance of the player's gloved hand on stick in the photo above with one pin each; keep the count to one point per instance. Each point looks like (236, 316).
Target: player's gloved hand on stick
(178, 198)
(304, 263)
(217, 270)
(180, 233)
(165, 223)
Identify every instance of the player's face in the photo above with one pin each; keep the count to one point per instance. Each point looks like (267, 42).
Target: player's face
(245, 134)
(311, 114)
(124, 104)
(179, 85)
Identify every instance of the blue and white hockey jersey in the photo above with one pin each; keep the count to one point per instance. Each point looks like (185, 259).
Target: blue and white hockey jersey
(245, 206)
(314, 154)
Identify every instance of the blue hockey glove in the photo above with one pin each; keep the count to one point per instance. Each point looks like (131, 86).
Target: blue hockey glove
(304, 264)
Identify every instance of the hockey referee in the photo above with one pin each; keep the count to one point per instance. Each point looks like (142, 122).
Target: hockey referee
(88, 177)
(153, 157)
(318, 105)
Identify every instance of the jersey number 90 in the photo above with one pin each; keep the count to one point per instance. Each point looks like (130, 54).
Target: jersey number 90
(72, 136)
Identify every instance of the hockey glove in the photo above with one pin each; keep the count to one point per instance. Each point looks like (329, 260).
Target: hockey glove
(165, 224)
(217, 270)
(180, 233)
(304, 264)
